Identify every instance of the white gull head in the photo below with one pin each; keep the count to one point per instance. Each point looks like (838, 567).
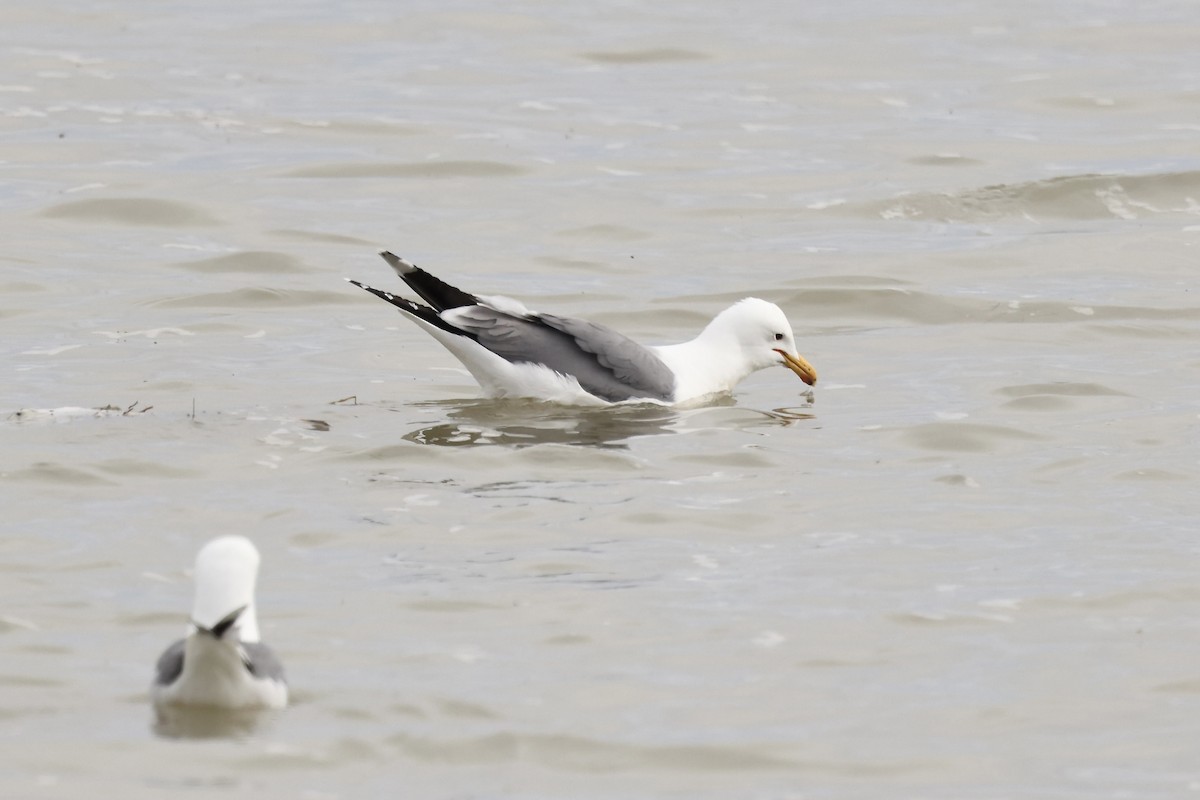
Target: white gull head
(750, 335)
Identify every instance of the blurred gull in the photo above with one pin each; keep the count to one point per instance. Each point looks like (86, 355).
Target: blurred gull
(515, 352)
(221, 662)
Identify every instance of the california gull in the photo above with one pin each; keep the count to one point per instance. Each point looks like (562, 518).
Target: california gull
(515, 352)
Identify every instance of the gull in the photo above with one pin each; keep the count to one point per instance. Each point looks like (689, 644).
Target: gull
(515, 352)
(221, 662)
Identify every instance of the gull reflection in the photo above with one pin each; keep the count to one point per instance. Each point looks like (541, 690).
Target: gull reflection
(519, 423)
(525, 423)
(208, 722)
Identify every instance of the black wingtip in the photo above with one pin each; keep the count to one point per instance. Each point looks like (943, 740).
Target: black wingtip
(399, 302)
(434, 291)
(401, 266)
(409, 307)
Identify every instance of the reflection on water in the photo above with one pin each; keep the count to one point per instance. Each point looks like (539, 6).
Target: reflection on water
(789, 414)
(201, 722)
(522, 423)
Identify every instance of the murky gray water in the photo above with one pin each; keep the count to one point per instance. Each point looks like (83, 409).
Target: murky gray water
(966, 568)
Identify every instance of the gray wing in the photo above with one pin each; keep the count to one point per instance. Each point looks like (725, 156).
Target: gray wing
(170, 665)
(631, 363)
(261, 661)
(607, 364)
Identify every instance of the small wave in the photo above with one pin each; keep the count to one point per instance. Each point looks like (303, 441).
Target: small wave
(1059, 397)
(585, 754)
(416, 169)
(257, 297)
(252, 262)
(576, 753)
(876, 305)
(1080, 197)
(134, 468)
(659, 55)
(132, 211)
(965, 437)
(60, 475)
(1061, 388)
(605, 232)
(324, 238)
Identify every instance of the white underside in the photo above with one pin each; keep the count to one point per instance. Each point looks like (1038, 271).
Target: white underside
(215, 675)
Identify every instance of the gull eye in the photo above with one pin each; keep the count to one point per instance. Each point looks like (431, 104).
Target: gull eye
(779, 337)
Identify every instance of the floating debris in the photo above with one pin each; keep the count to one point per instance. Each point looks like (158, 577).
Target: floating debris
(66, 413)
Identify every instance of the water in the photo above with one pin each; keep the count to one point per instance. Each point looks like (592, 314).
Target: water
(965, 567)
